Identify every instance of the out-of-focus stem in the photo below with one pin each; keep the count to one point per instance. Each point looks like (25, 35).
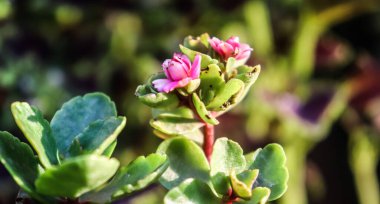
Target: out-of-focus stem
(296, 156)
(208, 142)
(363, 159)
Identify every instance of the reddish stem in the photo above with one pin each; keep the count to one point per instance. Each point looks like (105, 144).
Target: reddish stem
(208, 142)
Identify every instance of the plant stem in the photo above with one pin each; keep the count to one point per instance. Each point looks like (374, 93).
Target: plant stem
(363, 159)
(296, 157)
(208, 142)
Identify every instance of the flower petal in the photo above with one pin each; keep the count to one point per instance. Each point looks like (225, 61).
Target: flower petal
(160, 84)
(234, 41)
(196, 67)
(176, 84)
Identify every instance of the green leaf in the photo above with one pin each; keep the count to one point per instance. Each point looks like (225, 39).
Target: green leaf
(260, 195)
(151, 98)
(177, 122)
(175, 126)
(37, 130)
(250, 158)
(137, 175)
(196, 135)
(77, 114)
(211, 81)
(108, 152)
(191, 192)
(199, 43)
(226, 95)
(186, 161)
(205, 59)
(230, 65)
(180, 112)
(203, 113)
(249, 76)
(192, 85)
(221, 183)
(19, 160)
(76, 176)
(99, 135)
(227, 157)
(243, 182)
(273, 173)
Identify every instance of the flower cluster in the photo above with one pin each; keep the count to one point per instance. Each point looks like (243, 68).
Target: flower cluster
(208, 77)
(179, 71)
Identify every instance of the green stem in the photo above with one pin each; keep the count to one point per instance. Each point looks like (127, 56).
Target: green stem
(363, 159)
(296, 160)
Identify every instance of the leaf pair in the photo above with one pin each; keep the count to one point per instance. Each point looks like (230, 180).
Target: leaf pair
(255, 178)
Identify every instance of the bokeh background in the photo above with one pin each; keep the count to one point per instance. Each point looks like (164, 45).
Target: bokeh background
(318, 93)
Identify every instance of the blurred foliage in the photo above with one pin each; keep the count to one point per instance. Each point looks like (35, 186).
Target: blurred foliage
(317, 93)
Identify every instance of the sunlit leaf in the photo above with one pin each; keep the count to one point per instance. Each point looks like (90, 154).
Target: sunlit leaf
(226, 95)
(211, 81)
(260, 195)
(202, 111)
(242, 183)
(205, 59)
(37, 130)
(227, 156)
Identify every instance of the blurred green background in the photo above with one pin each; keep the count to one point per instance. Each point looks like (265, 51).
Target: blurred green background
(318, 93)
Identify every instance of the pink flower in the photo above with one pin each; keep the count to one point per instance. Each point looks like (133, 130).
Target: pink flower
(231, 48)
(179, 72)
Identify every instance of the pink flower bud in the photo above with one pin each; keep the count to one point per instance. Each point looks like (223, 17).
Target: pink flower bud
(179, 72)
(231, 48)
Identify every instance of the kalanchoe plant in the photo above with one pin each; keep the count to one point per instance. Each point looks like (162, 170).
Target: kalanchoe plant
(207, 79)
(74, 150)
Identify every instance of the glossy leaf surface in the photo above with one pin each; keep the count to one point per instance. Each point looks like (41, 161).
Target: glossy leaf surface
(99, 135)
(77, 114)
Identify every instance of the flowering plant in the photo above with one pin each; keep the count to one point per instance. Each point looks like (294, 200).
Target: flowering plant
(74, 149)
(206, 80)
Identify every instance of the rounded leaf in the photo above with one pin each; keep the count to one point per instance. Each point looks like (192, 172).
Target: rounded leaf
(136, 175)
(77, 114)
(76, 176)
(191, 192)
(186, 160)
(19, 160)
(38, 132)
(227, 156)
(98, 136)
(273, 173)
